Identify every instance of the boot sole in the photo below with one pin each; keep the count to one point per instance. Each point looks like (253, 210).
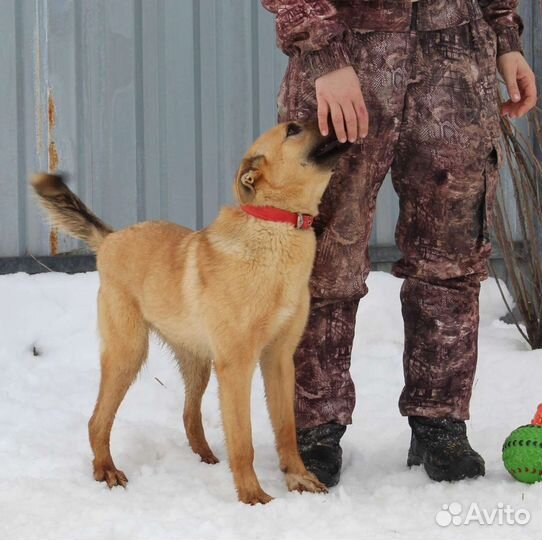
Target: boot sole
(329, 480)
(440, 475)
(414, 461)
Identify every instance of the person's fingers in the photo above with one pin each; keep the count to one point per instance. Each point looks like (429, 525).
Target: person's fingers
(527, 87)
(351, 121)
(511, 109)
(507, 108)
(338, 121)
(509, 73)
(363, 118)
(323, 113)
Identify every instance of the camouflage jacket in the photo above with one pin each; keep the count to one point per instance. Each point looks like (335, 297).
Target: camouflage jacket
(315, 29)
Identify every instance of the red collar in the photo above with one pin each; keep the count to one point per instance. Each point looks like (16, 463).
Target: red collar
(270, 213)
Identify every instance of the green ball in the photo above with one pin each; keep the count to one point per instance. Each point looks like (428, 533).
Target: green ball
(522, 454)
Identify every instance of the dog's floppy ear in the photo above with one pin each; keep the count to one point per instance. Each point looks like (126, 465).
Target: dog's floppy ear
(247, 179)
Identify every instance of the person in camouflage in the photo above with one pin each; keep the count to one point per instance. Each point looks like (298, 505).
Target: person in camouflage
(425, 74)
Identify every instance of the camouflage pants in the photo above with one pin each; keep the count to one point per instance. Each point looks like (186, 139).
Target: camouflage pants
(431, 98)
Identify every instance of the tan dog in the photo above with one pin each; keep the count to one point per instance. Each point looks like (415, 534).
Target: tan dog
(233, 293)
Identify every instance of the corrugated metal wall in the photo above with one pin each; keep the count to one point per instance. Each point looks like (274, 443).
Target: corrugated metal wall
(125, 95)
(147, 104)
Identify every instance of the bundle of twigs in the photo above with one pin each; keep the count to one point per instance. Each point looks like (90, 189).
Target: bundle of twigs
(522, 156)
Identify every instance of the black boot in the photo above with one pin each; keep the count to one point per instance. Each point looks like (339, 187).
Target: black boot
(321, 452)
(442, 447)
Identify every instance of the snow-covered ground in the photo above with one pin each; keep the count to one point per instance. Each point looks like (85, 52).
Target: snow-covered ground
(48, 384)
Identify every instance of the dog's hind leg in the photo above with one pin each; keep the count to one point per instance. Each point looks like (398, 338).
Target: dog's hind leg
(196, 371)
(125, 339)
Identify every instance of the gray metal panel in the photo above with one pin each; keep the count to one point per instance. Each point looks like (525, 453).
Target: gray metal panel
(21, 136)
(155, 102)
(63, 86)
(387, 213)
(109, 134)
(9, 194)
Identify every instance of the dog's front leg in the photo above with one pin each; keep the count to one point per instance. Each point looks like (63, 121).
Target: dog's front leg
(278, 371)
(234, 372)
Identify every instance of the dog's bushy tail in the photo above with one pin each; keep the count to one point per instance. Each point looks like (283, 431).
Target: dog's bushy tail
(67, 212)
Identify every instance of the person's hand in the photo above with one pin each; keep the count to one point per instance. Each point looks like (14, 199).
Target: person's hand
(339, 93)
(520, 82)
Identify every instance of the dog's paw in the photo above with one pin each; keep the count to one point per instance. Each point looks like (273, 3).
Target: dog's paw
(208, 457)
(110, 475)
(254, 497)
(304, 482)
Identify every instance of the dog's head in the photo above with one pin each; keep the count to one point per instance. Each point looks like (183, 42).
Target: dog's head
(289, 167)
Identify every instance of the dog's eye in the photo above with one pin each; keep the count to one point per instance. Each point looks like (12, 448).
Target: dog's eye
(293, 129)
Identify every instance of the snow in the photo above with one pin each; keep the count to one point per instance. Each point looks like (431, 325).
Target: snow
(46, 485)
